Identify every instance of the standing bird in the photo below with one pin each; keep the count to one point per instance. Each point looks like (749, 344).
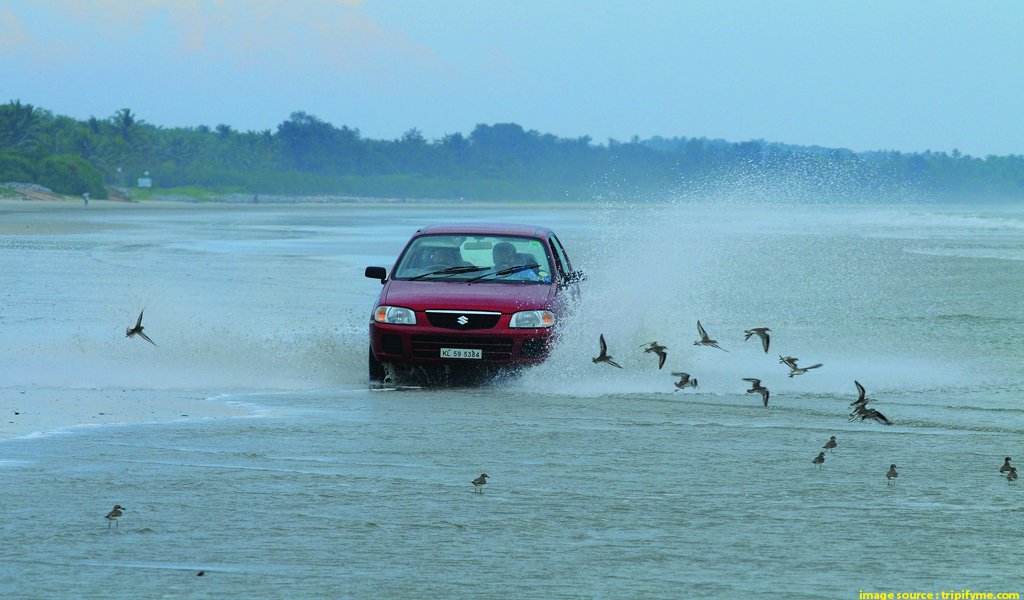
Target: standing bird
(685, 380)
(479, 482)
(659, 350)
(1006, 466)
(129, 332)
(820, 458)
(830, 444)
(114, 515)
(795, 370)
(891, 476)
(603, 356)
(761, 332)
(756, 387)
(1012, 475)
(705, 340)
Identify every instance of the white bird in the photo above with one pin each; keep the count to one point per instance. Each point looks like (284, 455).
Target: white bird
(795, 370)
(603, 356)
(761, 332)
(705, 340)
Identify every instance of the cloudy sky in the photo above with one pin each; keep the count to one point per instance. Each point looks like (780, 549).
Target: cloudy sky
(864, 74)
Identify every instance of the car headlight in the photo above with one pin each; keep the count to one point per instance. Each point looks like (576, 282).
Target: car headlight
(395, 315)
(532, 319)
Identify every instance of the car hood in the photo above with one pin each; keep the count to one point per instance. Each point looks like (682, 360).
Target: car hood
(503, 297)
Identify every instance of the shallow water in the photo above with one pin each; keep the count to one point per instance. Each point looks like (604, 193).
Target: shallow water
(604, 483)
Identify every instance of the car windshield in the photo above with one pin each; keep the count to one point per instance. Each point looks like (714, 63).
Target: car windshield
(483, 258)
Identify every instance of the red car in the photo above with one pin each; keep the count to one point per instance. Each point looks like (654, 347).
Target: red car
(471, 299)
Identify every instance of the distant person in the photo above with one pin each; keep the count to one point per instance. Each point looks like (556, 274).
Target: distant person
(505, 257)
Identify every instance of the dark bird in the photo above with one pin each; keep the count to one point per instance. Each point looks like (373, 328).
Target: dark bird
(756, 387)
(1012, 475)
(685, 380)
(115, 514)
(820, 458)
(789, 361)
(891, 476)
(479, 482)
(795, 370)
(200, 574)
(129, 332)
(761, 332)
(659, 350)
(1006, 466)
(830, 444)
(603, 356)
(705, 340)
(869, 413)
(862, 398)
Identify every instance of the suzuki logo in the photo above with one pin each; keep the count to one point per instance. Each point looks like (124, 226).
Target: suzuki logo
(462, 320)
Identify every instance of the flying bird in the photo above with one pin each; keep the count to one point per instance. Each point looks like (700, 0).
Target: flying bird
(705, 340)
(830, 444)
(685, 380)
(658, 349)
(603, 356)
(756, 387)
(761, 332)
(869, 413)
(129, 332)
(789, 361)
(862, 398)
(1006, 466)
(820, 458)
(479, 482)
(891, 476)
(115, 514)
(795, 370)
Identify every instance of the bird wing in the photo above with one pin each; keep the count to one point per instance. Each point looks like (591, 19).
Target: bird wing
(139, 322)
(764, 394)
(661, 359)
(700, 330)
(860, 391)
(604, 346)
(812, 367)
(612, 363)
(146, 337)
(756, 382)
(765, 341)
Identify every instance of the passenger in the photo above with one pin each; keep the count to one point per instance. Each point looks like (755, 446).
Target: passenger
(505, 256)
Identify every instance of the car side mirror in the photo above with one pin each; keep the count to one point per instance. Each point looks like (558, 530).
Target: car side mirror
(377, 273)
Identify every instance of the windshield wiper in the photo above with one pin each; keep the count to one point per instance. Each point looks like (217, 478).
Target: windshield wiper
(505, 272)
(449, 271)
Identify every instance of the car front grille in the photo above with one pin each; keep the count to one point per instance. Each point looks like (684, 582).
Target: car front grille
(462, 321)
(493, 348)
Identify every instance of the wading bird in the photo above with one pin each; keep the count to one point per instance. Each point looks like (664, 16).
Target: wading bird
(479, 482)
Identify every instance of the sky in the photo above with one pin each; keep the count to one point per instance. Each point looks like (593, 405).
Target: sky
(860, 74)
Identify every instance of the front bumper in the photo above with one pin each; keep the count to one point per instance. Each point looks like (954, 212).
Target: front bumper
(421, 345)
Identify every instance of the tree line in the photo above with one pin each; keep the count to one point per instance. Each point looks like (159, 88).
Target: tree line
(305, 155)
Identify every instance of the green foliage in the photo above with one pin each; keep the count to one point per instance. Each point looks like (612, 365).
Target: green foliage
(71, 175)
(14, 167)
(305, 155)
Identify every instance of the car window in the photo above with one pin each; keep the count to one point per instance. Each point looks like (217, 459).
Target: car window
(563, 266)
(445, 257)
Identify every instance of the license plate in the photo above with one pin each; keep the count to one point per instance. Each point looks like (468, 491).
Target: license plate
(461, 353)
